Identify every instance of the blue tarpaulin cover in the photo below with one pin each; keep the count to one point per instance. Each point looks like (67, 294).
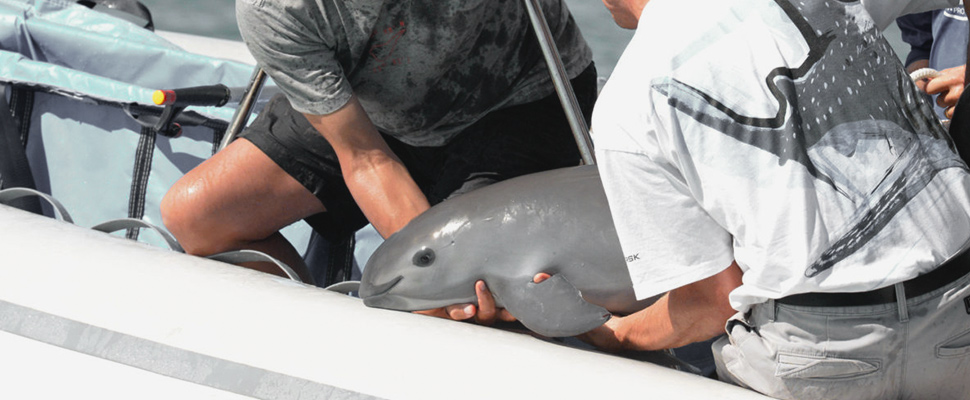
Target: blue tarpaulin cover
(87, 68)
(63, 45)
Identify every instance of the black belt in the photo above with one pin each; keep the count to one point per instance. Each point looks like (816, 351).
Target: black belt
(948, 272)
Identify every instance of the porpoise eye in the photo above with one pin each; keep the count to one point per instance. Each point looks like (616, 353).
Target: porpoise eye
(423, 258)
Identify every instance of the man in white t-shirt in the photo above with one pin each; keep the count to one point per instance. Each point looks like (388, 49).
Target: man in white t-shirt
(773, 169)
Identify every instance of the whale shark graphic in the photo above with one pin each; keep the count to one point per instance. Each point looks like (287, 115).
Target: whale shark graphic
(841, 103)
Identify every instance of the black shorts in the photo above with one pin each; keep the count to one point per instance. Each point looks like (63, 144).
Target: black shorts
(506, 143)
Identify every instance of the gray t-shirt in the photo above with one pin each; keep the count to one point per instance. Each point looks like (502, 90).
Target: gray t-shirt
(422, 69)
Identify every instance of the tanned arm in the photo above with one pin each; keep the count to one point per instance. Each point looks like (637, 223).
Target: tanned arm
(377, 179)
(685, 315)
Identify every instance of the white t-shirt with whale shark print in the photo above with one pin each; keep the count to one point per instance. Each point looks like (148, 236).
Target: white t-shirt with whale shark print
(784, 134)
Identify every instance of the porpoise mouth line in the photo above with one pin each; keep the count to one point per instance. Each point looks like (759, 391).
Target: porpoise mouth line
(386, 287)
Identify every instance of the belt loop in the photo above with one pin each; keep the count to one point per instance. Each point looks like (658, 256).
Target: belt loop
(901, 302)
(770, 305)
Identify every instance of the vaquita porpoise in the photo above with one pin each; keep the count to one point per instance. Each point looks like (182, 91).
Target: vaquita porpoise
(557, 222)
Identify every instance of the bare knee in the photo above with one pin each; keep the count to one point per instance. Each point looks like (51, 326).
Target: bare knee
(183, 210)
(233, 200)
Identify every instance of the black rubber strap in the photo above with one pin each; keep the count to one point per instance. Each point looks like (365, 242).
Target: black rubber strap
(22, 107)
(340, 261)
(139, 178)
(14, 168)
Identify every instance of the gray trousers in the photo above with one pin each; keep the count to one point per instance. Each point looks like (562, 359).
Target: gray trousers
(913, 349)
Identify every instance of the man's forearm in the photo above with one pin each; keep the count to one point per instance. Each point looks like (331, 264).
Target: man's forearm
(685, 315)
(378, 181)
(385, 192)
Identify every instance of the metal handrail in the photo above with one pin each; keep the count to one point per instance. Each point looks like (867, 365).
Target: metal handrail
(241, 117)
(565, 91)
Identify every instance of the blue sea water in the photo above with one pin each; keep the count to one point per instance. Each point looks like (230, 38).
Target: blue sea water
(217, 18)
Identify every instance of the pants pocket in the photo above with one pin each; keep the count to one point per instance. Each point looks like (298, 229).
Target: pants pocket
(800, 366)
(957, 346)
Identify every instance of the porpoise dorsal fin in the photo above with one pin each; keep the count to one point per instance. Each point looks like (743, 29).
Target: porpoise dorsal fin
(552, 308)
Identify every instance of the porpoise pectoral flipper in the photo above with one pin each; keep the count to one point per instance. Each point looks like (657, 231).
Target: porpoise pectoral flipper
(552, 308)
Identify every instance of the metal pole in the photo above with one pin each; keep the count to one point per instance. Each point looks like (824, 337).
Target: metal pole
(241, 117)
(565, 91)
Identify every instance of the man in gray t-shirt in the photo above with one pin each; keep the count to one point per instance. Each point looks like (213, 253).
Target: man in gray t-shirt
(422, 70)
(403, 103)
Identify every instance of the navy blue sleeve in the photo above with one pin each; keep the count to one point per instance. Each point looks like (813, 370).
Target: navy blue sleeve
(917, 31)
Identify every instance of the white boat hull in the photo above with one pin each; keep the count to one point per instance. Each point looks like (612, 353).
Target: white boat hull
(70, 296)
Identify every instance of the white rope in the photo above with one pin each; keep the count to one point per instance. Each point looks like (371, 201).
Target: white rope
(924, 73)
(928, 73)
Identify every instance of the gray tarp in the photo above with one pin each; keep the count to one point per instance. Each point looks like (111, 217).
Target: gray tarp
(86, 67)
